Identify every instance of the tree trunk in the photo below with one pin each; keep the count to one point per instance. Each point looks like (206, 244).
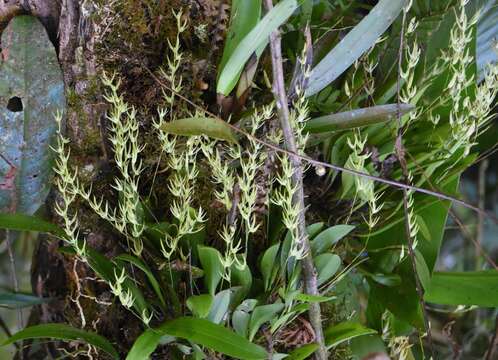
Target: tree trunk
(128, 37)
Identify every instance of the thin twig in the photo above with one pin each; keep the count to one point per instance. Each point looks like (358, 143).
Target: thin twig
(309, 271)
(312, 161)
(400, 153)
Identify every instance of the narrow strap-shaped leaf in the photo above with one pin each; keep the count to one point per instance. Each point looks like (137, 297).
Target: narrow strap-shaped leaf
(23, 222)
(252, 41)
(19, 300)
(150, 276)
(355, 44)
(356, 118)
(63, 332)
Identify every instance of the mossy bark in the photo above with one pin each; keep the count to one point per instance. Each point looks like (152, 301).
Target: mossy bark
(75, 28)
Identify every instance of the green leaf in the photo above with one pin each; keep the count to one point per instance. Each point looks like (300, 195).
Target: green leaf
(144, 345)
(345, 331)
(314, 298)
(487, 28)
(356, 118)
(262, 314)
(355, 44)
(23, 222)
(214, 337)
(255, 39)
(150, 276)
(464, 288)
(31, 92)
(268, 265)
(241, 316)
(326, 266)
(303, 352)
(200, 304)
(219, 309)
(12, 300)
(244, 15)
(210, 259)
(324, 240)
(211, 127)
(63, 332)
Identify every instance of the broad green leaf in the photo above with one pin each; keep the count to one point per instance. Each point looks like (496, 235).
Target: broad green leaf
(23, 222)
(464, 288)
(214, 337)
(200, 304)
(262, 314)
(63, 332)
(303, 352)
(244, 15)
(251, 42)
(312, 231)
(18, 300)
(31, 92)
(327, 238)
(345, 331)
(210, 259)
(326, 266)
(145, 268)
(219, 308)
(355, 44)
(144, 345)
(356, 118)
(211, 127)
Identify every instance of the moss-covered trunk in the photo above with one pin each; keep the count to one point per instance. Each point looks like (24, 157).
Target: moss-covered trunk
(127, 37)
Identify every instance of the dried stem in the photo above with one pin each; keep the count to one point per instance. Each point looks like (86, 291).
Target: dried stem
(309, 271)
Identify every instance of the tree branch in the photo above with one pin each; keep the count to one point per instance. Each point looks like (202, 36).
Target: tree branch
(309, 271)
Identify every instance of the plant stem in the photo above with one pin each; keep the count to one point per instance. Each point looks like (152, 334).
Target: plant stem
(309, 271)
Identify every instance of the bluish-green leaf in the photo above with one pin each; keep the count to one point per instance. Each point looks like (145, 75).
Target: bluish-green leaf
(63, 332)
(355, 44)
(31, 92)
(19, 300)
